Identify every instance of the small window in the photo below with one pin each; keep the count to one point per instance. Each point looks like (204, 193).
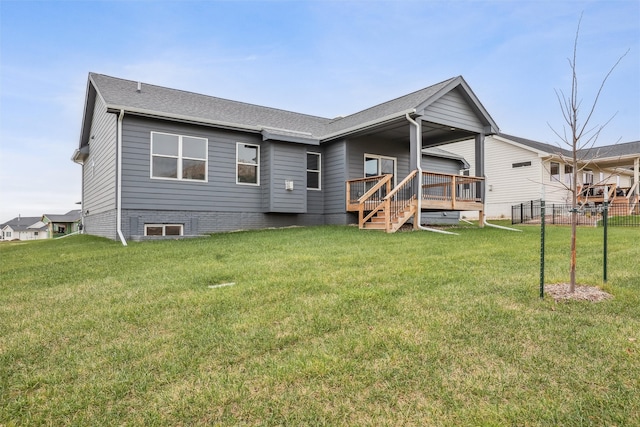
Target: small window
(313, 171)
(554, 169)
(178, 157)
(248, 164)
(163, 229)
(520, 164)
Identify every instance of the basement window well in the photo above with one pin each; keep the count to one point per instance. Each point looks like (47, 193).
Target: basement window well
(163, 229)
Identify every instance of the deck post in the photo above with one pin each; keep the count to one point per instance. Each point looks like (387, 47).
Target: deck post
(636, 176)
(480, 173)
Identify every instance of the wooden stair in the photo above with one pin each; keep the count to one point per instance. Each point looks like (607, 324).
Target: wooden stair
(397, 220)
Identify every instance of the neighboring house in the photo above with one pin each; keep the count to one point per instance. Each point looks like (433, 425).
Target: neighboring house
(518, 170)
(23, 228)
(60, 225)
(163, 162)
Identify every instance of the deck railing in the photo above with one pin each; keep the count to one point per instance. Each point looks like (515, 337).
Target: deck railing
(455, 188)
(372, 189)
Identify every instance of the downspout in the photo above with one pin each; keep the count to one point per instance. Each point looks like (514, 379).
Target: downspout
(119, 181)
(419, 190)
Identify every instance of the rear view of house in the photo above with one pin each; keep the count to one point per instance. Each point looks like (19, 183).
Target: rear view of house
(160, 162)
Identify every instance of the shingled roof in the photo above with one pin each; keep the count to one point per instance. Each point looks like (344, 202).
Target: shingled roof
(619, 151)
(71, 216)
(152, 100)
(24, 223)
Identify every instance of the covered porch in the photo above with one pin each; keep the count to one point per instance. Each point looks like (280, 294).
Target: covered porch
(622, 158)
(410, 176)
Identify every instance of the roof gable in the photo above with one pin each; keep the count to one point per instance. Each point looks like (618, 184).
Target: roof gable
(455, 103)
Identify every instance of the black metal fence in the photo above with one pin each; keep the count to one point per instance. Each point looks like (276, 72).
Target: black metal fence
(619, 214)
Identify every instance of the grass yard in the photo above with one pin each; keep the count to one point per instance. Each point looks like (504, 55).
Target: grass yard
(324, 326)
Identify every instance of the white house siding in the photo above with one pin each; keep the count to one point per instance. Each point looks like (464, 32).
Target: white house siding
(506, 185)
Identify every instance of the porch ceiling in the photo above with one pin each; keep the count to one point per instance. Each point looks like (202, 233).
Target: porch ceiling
(433, 134)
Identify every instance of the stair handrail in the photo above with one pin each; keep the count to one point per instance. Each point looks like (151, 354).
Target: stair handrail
(386, 178)
(389, 196)
(362, 199)
(402, 184)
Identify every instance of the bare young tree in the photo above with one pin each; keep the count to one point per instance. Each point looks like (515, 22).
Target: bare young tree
(578, 134)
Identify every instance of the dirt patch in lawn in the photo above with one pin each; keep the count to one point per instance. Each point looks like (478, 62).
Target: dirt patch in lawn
(560, 292)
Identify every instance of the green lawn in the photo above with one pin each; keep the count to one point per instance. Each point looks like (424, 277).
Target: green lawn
(324, 326)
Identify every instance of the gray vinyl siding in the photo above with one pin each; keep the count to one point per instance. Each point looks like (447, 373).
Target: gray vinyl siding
(334, 177)
(441, 165)
(284, 162)
(99, 169)
(452, 109)
(219, 193)
(357, 148)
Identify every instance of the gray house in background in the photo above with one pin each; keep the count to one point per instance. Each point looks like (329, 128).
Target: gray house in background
(163, 162)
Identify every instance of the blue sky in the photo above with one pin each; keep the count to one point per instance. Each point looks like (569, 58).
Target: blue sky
(325, 58)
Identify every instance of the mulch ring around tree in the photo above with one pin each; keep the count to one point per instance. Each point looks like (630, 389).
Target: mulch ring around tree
(560, 292)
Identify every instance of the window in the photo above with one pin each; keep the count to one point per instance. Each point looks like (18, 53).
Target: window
(466, 185)
(375, 165)
(554, 169)
(178, 157)
(313, 171)
(520, 164)
(247, 164)
(568, 174)
(163, 229)
(587, 177)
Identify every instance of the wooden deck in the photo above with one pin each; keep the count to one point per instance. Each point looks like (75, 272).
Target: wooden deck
(381, 207)
(619, 196)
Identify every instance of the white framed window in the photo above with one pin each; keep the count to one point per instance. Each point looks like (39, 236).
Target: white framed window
(568, 174)
(375, 165)
(554, 170)
(587, 177)
(178, 157)
(163, 229)
(247, 164)
(314, 168)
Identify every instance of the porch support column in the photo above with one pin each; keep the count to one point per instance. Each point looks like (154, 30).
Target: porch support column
(636, 174)
(415, 162)
(415, 145)
(480, 173)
